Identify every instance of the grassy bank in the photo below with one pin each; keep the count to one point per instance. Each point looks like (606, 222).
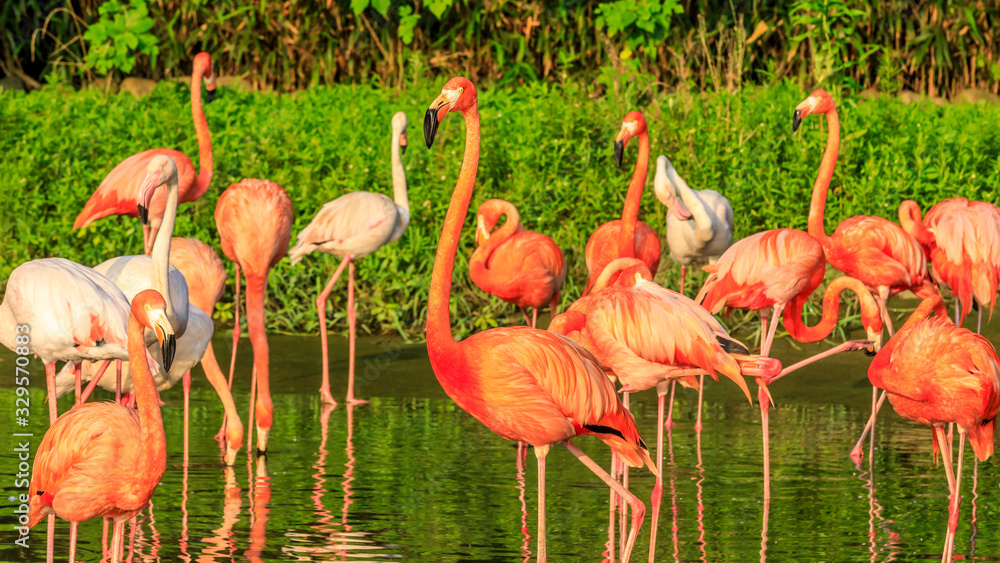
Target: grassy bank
(547, 149)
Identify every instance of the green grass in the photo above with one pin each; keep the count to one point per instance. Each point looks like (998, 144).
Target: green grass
(547, 149)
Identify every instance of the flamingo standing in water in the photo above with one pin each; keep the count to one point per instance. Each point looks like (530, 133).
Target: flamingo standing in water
(254, 218)
(699, 222)
(935, 373)
(117, 193)
(104, 459)
(871, 249)
(521, 267)
(649, 336)
(351, 227)
(963, 242)
(522, 383)
(626, 237)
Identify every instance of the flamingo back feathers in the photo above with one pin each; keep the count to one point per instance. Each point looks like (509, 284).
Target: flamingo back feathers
(357, 223)
(246, 213)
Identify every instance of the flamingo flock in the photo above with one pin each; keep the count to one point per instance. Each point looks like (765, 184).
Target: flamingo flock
(152, 315)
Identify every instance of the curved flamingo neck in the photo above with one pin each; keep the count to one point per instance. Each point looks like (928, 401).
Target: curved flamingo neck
(822, 185)
(508, 229)
(439, 337)
(630, 213)
(154, 441)
(932, 304)
(870, 316)
(204, 179)
(161, 249)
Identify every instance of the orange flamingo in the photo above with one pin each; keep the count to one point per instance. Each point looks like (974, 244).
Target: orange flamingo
(649, 336)
(254, 218)
(963, 242)
(935, 373)
(871, 249)
(351, 227)
(626, 237)
(521, 267)
(104, 459)
(117, 193)
(522, 383)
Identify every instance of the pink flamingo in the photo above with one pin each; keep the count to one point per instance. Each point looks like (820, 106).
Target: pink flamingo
(522, 383)
(626, 237)
(935, 373)
(521, 267)
(871, 249)
(351, 227)
(117, 193)
(649, 337)
(254, 218)
(963, 242)
(104, 459)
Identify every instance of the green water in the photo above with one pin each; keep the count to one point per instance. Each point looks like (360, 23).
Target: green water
(412, 477)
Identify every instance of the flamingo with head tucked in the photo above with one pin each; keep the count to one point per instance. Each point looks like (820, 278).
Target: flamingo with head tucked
(522, 383)
(626, 237)
(105, 459)
(254, 218)
(351, 227)
(117, 193)
(521, 267)
(935, 373)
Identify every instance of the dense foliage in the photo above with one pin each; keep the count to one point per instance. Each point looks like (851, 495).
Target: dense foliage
(931, 46)
(547, 149)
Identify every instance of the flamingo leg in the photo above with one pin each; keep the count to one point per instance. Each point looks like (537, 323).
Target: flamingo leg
(251, 416)
(324, 390)
(232, 430)
(612, 508)
(638, 508)
(77, 382)
(118, 381)
(856, 450)
(540, 453)
(104, 538)
(264, 407)
(849, 346)
(765, 348)
(670, 409)
(131, 536)
(147, 245)
(236, 335)
(958, 314)
(93, 382)
(883, 305)
(534, 317)
(956, 501)
(946, 453)
(683, 272)
(979, 321)
(116, 541)
(352, 319)
(656, 498)
(624, 508)
(186, 384)
(765, 405)
(524, 313)
(701, 390)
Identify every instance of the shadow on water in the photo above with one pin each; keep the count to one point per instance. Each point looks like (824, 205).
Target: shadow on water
(410, 476)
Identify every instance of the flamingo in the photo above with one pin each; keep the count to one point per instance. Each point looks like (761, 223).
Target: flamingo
(254, 218)
(105, 459)
(700, 222)
(649, 336)
(521, 267)
(935, 373)
(522, 383)
(871, 249)
(117, 193)
(963, 239)
(351, 227)
(626, 237)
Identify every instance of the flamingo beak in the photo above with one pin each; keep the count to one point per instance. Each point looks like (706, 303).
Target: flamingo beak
(165, 335)
(620, 140)
(146, 191)
(402, 143)
(482, 234)
(876, 342)
(796, 120)
(435, 114)
(210, 87)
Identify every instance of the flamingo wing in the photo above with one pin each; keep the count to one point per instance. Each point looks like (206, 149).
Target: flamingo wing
(202, 269)
(245, 213)
(357, 223)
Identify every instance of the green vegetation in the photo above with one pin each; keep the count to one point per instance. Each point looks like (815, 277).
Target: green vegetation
(937, 47)
(547, 149)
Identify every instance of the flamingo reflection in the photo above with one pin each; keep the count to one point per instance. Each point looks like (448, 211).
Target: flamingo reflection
(223, 543)
(260, 497)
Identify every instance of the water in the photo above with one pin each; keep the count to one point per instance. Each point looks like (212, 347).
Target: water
(411, 477)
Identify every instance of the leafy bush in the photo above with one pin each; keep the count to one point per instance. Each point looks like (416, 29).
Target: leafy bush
(120, 33)
(547, 149)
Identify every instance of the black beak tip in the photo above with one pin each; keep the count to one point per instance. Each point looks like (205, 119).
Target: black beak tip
(870, 351)
(430, 126)
(143, 215)
(402, 149)
(209, 96)
(169, 347)
(619, 152)
(796, 120)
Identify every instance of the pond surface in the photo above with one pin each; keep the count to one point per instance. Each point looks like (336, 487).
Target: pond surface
(411, 477)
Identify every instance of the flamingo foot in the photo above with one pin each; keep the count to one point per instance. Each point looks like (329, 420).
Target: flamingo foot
(857, 454)
(353, 401)
(326, 398)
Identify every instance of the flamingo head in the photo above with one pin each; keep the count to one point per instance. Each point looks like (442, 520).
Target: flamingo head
(817, 102)
(488, 216)
(203, 68)
(666, 191)
(633, 124)
(458, 94)
(399, 127)
(627, 272)
(160, 170)
(150, 309)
